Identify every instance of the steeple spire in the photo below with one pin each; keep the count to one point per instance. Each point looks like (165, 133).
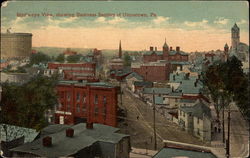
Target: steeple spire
(120, 50)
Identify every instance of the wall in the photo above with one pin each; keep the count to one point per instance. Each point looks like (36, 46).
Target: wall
(85, 106)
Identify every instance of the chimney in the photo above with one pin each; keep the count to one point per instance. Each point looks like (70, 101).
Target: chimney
(171, 48)
(155, 48)
(69, 132)
(89, 125)
(151, 48)
(177, 49)
(47, 141)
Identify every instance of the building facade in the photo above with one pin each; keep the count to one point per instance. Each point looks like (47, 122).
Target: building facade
(86, 102)
(75, 71)
(167, 54)
(152, 71)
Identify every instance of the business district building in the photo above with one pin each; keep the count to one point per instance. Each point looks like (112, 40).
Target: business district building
(94, 102)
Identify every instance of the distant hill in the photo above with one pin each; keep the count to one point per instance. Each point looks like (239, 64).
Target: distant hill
(54, 51)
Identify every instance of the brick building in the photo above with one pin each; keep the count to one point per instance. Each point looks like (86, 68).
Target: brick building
(167, 54)
(76, 71)
(86, 102)
(152, 71)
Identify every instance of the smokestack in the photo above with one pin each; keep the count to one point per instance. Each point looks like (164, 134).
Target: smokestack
(177, 49)
(151, 48)
(171, 48)
(47, 141)
(89, 125)
(69, 132)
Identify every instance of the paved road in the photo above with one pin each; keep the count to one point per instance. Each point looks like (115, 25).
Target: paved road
(141, 129)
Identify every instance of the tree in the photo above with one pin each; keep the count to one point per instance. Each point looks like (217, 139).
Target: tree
(38, 58)
(60, 58)
(127, 59)
(226, 80)
(25, 105)
(74, 58)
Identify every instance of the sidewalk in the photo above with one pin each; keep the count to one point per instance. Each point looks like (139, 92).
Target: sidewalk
(217, 146)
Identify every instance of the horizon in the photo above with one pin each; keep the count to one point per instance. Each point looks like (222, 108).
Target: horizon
(103, 24)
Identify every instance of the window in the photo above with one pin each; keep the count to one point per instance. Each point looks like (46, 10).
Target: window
(96, 110)
(84, 99)
(68, 108)
(198, 120)
(104, 100)
(77, 108)
(83, 108)
(78, 97)
(184, 114)
(198, 131)
(121, 147)
(104, 112)
(68, 96)
(96, 99)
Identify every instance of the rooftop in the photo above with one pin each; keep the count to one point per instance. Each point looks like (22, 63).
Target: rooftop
(157, 90)
(84, 83)
(197, 110)
(66, 146)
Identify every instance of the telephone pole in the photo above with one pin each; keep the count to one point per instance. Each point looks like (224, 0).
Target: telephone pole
(155, 145)
(228, 135)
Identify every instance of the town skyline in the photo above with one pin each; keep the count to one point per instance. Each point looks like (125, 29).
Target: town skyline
(207, 29)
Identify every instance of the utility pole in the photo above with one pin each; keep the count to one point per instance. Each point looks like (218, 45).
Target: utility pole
(223, 120)
(121, 92)
(155, 145)
(228, 135)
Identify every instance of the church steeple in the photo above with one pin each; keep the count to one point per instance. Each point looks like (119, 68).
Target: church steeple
(165, 47)
(120, 50)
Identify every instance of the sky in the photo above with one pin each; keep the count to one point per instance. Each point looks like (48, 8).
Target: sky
(192, 25)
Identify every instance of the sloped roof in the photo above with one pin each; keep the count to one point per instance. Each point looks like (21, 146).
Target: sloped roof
(173, 52)
(188, 87)
(136, 75)
(143, 83)
(151, 52)
(65, 146)
(157, 90)
(197, 110)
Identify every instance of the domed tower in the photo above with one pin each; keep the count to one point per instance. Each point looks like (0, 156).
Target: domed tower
(235, 36)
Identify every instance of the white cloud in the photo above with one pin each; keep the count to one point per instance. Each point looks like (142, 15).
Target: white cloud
(196, 24)
(221, 20)
(117, 20)
(160, 19)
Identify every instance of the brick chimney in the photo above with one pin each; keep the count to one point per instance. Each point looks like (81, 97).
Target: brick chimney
(171, 48)
(177, 49)
(151, 48)
(47, 141)
(69, 132)
(89, 125)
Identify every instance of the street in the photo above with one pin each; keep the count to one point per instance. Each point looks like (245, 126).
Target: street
(140, 125)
